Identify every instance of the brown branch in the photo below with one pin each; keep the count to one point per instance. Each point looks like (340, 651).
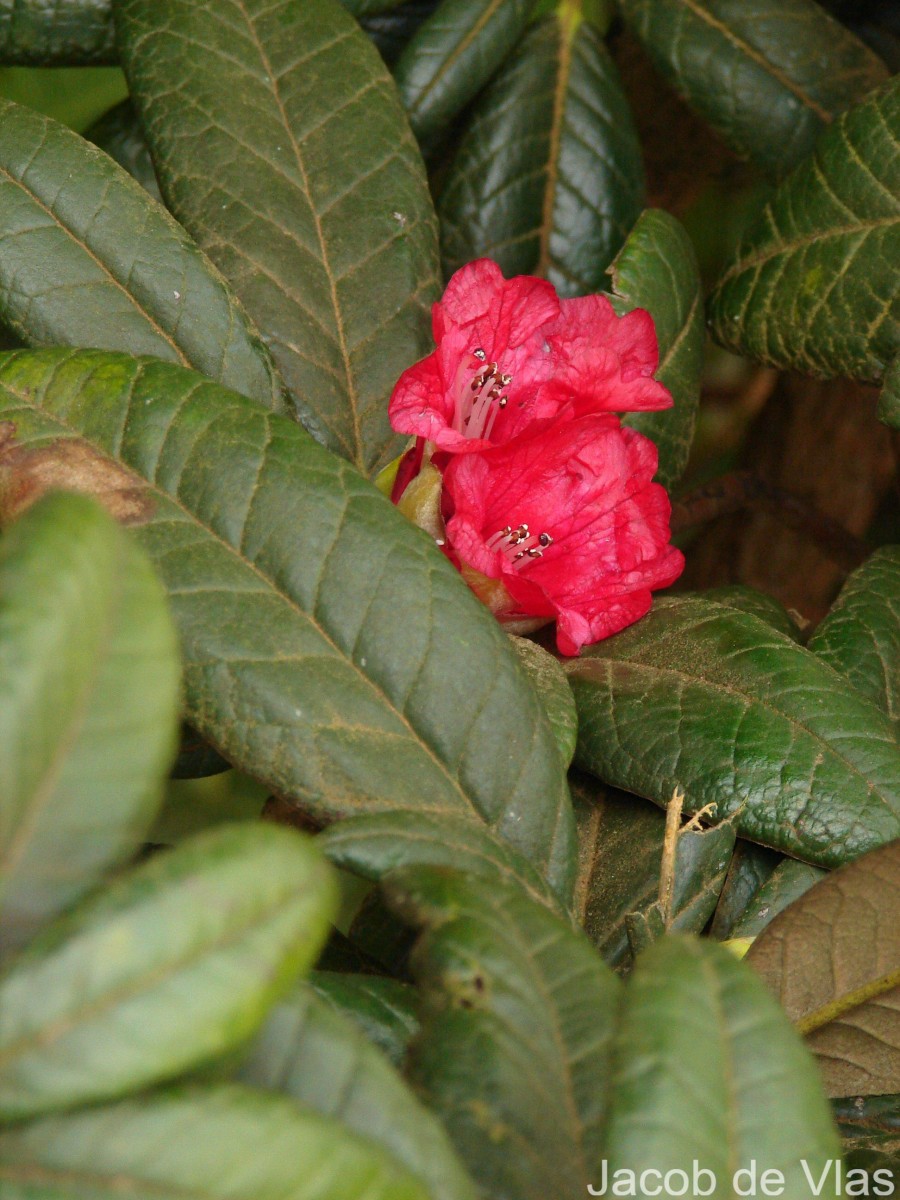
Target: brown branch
(742, 490)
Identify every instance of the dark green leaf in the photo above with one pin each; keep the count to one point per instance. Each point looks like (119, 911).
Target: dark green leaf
(758, 604)
(769, 77)
(381, 936)
(657, 269)
(330, 649)
(833, 960)
(787, 883)
(66, 32)
(167, 969)
(385, 1010)
(224, 1143)
(390, 31)
(281, 147)
(620, 841)
(371, 846)
(196, 758)
(548, 177)
(124, 275)
(553, 688)
(751, 865)
(716, 703)
(517, 1019)
(452, 55)
(860, 637)
(309, 1051)
(119, 134)
(709, 1068)
(369, 8)
(88, 706)
(813, 285)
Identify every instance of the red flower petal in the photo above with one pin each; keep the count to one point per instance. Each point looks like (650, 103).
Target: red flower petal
(570, 522)
(602, 362)
(501, 314)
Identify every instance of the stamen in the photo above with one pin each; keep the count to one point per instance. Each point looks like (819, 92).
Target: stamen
(480, 397)
(519, 545)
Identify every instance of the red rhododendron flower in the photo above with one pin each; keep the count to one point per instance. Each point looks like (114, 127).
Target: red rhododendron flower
(512, 357)
(521, 469)
(570, 524)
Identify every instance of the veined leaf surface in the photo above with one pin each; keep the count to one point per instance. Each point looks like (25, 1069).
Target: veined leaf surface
(124, 274)
(89, 699)
(813, 285)
(548, 177)
(166, 969)
(330, 650)
(769, 77)
(281, 146)
(222, 1143)
(715, 702)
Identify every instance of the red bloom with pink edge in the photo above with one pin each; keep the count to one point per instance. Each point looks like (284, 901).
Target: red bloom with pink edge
(522, 470)
(512, 357)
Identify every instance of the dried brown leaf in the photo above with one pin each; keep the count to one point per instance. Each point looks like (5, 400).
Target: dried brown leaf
(833, 960)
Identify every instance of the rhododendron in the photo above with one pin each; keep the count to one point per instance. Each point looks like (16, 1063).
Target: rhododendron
(521, 469)
(512, 357)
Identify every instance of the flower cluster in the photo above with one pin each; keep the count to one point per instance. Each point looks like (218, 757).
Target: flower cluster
(521, 468)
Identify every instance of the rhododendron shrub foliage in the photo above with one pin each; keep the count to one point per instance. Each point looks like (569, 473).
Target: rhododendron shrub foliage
(536, 490)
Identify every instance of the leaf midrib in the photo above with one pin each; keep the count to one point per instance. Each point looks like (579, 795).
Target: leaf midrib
(105, 270)
(760, 59)
(271, 587)
(143, 983)
(749, 702)
(274, 86)
(457, 52)
(565, 47)
(45, 790)
(788, 247)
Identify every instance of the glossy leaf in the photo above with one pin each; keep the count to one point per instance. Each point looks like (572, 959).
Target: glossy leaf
(812, 284)
(384, 1010)
(330, 650)
(833, 960)
(374, 845)
(390, 31)
(118, 133)
(553, 688)
(65, 32)
(452, 55)
(751, 865)
(657, 270)
(124, 275)
(548, 177)
(221, 1143)
(310, 1052)
(620, 842)
(787, 883)
(88, 706)
(708, 1068)
(190, 949)
(281, 147)
(517, 1019)
(715, 702)
(768, 77)
(860, 637)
